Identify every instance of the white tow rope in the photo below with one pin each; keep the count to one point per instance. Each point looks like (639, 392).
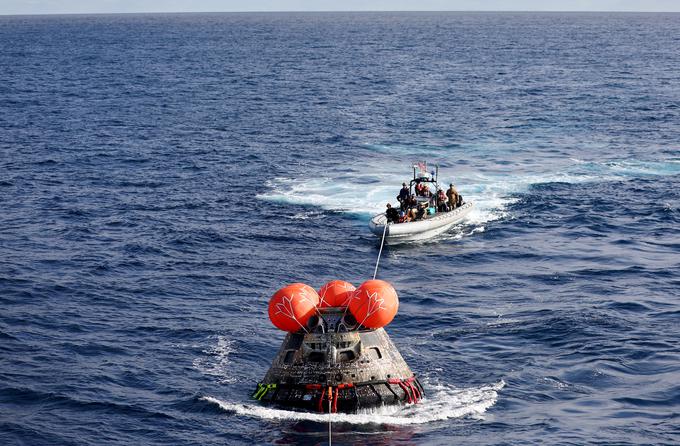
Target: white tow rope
(382, 242)
(375, 273)
(330, 437)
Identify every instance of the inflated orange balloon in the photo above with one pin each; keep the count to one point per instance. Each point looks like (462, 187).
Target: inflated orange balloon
(336, 293)
(291, 307)
(374, 304)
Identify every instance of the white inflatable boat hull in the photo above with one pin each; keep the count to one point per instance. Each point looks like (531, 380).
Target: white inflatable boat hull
(418, 230)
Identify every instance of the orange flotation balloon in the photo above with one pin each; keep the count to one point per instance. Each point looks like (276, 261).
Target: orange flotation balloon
(336, 293)
(291, 307)
(374, 304)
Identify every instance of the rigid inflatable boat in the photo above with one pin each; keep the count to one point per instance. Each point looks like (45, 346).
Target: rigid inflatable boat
(420, 229)
(432, 222)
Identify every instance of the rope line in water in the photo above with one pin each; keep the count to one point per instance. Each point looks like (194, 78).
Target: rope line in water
(375, 273)
(382, 242)
(330, 436)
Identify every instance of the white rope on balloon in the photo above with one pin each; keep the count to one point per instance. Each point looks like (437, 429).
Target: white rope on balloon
(288, 310)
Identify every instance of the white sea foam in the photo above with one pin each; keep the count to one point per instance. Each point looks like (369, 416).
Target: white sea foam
(365, 192)
(307, 215)
(499, 322)
(442, 402)
(216, 361)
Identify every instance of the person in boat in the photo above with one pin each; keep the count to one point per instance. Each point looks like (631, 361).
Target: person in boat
(411, 208)
(421, 212)
(412, 202)
(416, 213)
(442, 205)
(403, 196)
(392, 214)
(453, 196)
(433, 200)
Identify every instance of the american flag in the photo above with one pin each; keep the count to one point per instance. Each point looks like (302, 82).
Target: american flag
(422, 166)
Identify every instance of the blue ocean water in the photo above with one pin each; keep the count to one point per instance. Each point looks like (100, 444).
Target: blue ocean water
(162, 175)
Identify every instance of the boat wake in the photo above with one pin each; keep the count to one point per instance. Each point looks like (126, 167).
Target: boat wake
(442, 403)
(365, 192)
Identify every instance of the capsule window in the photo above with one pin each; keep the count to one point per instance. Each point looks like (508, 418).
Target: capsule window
(374, 353)
(317, 357)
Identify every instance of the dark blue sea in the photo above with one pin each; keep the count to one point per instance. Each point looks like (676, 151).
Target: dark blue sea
(161, 176)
